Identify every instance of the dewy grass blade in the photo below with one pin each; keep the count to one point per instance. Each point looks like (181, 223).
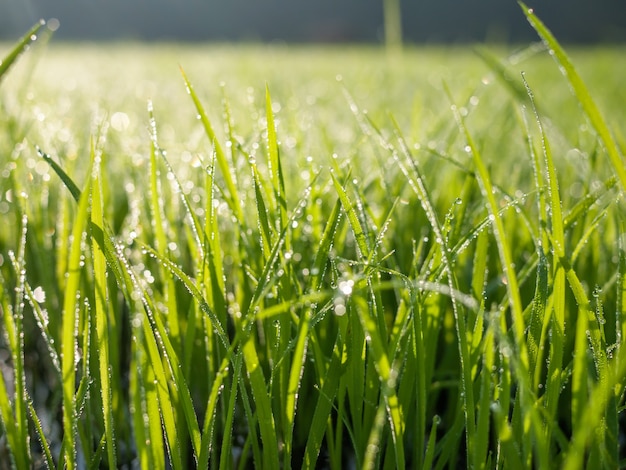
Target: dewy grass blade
(483, 413)
(323, 407)
(387, 377)
(620, 318)
(275, 167)
(234, 200)
(299, 353)
(8, 410)
(418, 185)
(15, 329)
(227, 443)
(213, 249)
(594, 412)
(264, 413)
(266, 233)
(40, 434)
(557, 343)
(138, 391)
(539, 321)
(502, 242)
(102, 239)
(41, 317)
(157, 201)
(359, 235)
(430, 447)
(155, 330)
(69, 183)
(71, 307)
(195, 293)
(22, 45)
(102, 311)
(582, 94)
(165, 401)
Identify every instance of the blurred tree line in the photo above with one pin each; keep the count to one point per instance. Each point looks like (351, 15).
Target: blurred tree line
(448, 21)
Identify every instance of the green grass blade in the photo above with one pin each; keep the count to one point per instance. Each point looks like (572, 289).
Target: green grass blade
(10, 425)
(582, 93)
(620, 318)
(226, 451)
(502, 241)
(21, 46)
(484, 403)
(299, 353)
(359, 235)
(15, 332)
(323, 408)
(40, 434)
(266, 234)
(42, 319)
(69, 183)
(195, 293)
(157, 203)
(557, 343)
(264, 413)
(442, 251)
(234, 199)
(387, 376)
(275, 168)
(102, 312)
(430, 447)
(165, 401)
(214, 252)
(155, 331)
(71, 306)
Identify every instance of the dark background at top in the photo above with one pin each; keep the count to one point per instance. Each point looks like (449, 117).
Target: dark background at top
(434, 21)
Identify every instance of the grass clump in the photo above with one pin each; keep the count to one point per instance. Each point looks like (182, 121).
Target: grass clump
(299, 282)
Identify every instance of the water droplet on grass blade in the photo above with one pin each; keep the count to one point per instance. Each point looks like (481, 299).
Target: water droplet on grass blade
(39, 295)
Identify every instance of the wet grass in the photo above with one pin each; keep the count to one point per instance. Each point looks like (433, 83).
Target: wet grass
(312, 257)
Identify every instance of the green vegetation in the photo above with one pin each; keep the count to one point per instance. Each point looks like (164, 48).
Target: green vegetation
(239, 265)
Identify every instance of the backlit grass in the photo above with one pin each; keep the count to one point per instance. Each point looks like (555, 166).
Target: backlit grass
(312, 257)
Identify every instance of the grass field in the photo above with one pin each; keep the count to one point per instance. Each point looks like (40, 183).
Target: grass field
(317, 257)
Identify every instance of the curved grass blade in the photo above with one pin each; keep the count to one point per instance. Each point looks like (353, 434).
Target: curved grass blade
(582, 93)
(14, 325)
(67, 181)
(41, 317)
(234, 199)
(193, 290)
(21, 46)
(41, 436)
